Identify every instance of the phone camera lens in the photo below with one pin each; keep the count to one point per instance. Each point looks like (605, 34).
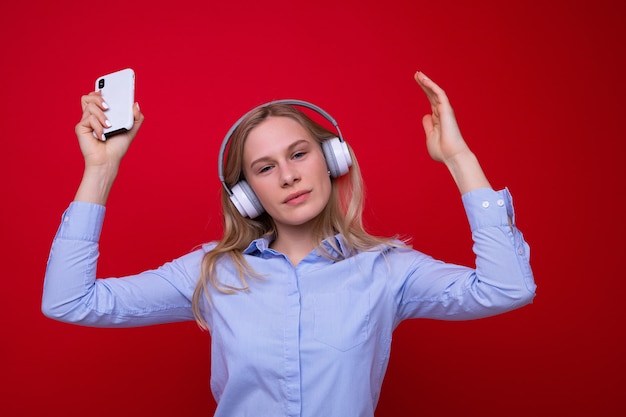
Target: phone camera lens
(101, 83)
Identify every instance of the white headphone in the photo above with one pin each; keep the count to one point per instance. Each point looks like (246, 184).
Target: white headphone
(335, 151)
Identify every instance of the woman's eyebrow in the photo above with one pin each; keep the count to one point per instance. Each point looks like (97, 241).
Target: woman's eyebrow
(297, 143)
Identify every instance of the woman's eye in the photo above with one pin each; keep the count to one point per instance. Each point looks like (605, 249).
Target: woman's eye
(298, 155)
(265, 169)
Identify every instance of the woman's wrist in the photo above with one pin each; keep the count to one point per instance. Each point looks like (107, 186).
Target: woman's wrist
(96, 184)
(467, 172)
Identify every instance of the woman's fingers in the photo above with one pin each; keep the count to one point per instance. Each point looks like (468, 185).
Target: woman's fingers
(428, 86)
(138, 117)
(436, 95)
(94, 116)
(93, 97)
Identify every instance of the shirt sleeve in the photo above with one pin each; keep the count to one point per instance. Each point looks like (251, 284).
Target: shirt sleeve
(502, 279)
(72, 294)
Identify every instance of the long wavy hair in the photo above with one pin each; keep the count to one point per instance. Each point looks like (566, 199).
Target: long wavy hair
(342, 214)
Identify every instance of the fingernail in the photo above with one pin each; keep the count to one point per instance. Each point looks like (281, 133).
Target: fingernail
(105, 105)
(138, 106)
(93, 132)
(106, 122)
(103, 138)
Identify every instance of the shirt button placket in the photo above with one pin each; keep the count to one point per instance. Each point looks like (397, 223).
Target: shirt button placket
(292, 345)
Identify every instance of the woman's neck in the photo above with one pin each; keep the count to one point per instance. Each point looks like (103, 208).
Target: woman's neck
(294, 242)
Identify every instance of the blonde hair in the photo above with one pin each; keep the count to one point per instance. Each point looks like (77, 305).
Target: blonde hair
(342, 214)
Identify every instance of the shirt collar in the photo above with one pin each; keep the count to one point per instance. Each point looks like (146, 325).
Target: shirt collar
(262, 244)
(258, 246)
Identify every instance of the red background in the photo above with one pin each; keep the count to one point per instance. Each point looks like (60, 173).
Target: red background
(538, 88)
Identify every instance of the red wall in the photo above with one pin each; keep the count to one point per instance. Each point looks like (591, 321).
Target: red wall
(538, 88)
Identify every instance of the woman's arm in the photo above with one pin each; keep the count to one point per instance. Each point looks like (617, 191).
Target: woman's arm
(71, 291)
(72, 294)
(502, 279)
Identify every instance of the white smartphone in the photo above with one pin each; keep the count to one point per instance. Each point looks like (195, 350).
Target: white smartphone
(118, 91)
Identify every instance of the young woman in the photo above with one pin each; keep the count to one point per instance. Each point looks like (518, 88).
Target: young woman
(300, 300)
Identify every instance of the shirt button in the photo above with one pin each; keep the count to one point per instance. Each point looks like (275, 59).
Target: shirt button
(66, 219)
(485, 204)
(500, 202)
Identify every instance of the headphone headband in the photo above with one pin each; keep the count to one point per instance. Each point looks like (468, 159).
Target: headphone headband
(291, 102)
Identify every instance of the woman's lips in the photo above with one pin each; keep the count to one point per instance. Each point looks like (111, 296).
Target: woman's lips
(297, 198)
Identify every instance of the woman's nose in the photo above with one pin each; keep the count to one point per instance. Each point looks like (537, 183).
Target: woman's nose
(289, 176)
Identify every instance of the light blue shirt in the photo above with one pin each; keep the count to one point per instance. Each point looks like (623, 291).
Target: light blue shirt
(311, 340)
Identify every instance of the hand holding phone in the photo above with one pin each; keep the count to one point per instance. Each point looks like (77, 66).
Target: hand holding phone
(118, 92)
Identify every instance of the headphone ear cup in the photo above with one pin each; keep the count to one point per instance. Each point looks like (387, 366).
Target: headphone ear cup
(246, 200)
(337, 156)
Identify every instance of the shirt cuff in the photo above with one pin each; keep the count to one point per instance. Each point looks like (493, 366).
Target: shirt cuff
(82, 221)
(486, 208)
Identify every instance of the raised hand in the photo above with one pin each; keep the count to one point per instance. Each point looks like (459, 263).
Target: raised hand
(102, 157)
(444, 140)
(90, 132)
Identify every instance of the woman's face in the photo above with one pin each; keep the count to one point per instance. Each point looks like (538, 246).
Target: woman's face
(286, 168)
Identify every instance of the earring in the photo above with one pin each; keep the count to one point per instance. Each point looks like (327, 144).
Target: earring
(329, 172)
